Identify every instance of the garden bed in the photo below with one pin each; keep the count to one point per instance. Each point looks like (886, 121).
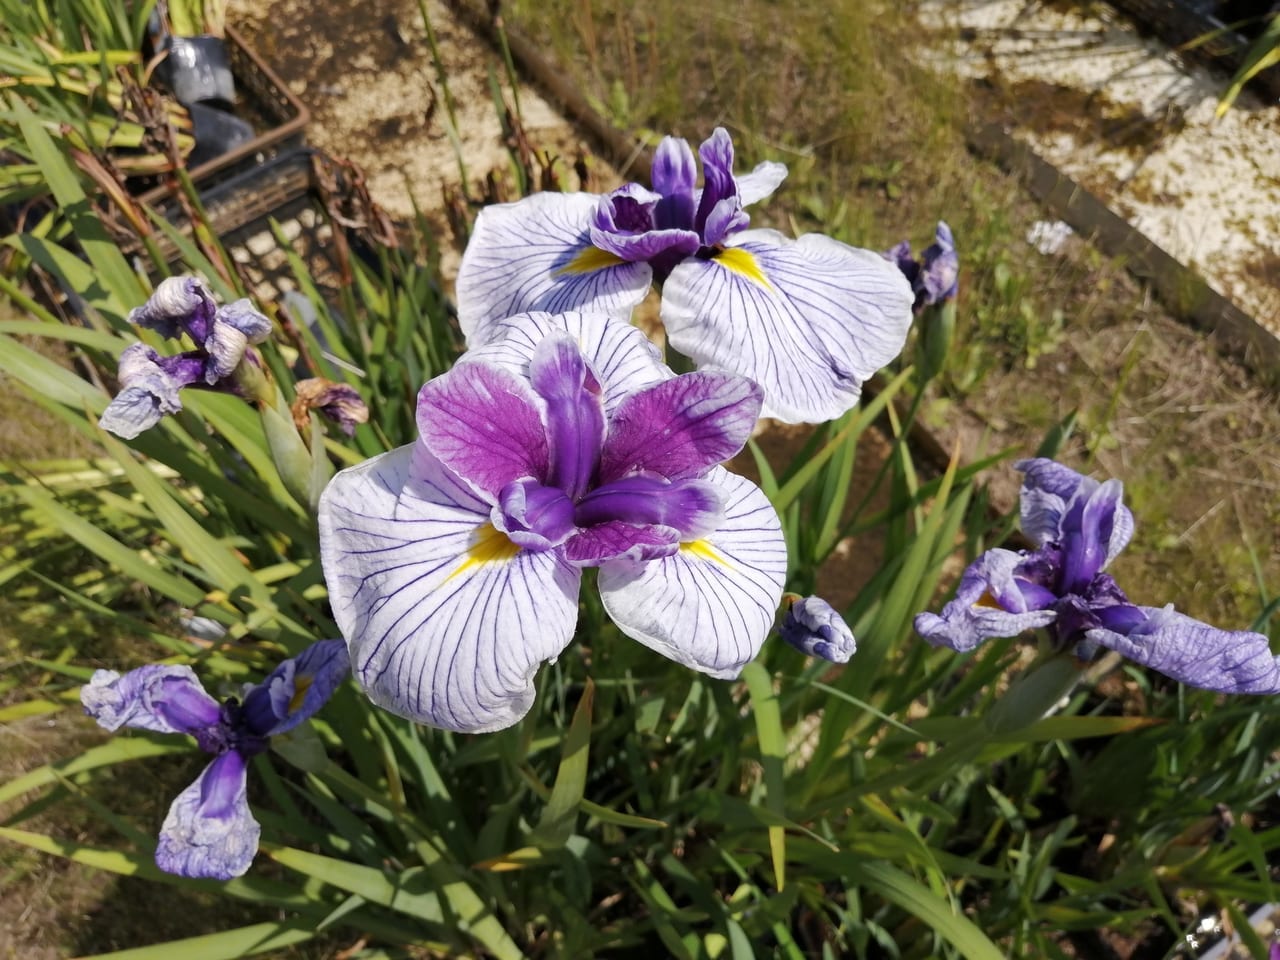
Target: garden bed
(1165, 375)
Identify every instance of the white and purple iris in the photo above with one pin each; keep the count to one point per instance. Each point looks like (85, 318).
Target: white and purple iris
(1079, 526)
(808, 319)
(454, 563)
(935, 277)
(150, 383)
(210, 831)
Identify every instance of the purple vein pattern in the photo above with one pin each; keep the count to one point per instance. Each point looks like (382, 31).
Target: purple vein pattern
(808, 320)
(454, 563)
(1079, 526)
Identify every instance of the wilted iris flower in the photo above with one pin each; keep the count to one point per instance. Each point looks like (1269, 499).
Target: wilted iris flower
(338, 402)
(935, 277)
(210, 831)
(150, 383)
(1079, 526)
(454, 563)
(813, 627)
(808, 319)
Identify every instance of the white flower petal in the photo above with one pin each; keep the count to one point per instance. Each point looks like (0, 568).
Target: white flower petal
(621, 356)
(760, 182)
(711, 605)
(536, 254)
(446, 623)
(809, 320)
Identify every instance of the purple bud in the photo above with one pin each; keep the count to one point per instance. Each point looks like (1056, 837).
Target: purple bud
(813, 627)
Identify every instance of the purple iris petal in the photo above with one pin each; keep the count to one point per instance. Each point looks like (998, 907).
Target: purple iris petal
(674, 175)
(178, 305)
(575, 412)
(243, 316)
(940, 267)
(976, 613)
(483, 424)
(1086, 531)
(725, 219)
(295, 689)
(813, 627)
(1047, 489)
(534, 516)
(165, 699)
(718, 186)
(452, 591)
(209, 831)
(618, 539)
(693, 507)
(1195, 653)
(680, 428)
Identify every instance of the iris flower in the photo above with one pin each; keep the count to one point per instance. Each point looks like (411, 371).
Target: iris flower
(935, 277)
(807, 319)
(454, 563)
(210, 831)
(150, 383)
(1079, 526)
(813, 627)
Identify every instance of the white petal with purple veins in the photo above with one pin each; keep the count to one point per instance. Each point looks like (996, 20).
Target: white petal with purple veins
(536, 254)
(760, 183)
(622, 357)
(1195, 653)
(446, 621)
(809, 320)
(711, 605)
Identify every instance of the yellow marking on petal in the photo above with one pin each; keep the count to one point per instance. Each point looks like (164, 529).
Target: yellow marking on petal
(743, 263)
(491, 545)
(300, 687)
(704, 551)
(987, 600)
(590, 260)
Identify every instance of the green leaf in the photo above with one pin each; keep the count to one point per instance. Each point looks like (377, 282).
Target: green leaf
(126, 559)
(227, 945)
(118, 750)
(117, 288)
(773, 752)
(560, 815)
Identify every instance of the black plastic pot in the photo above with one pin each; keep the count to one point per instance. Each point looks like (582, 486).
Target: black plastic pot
(216, 131)
(198, 70)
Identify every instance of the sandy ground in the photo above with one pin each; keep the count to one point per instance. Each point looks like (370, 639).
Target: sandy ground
(369, 77)
(1122, 115)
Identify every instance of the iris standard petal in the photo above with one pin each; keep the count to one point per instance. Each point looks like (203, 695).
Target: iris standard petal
(625, 225)
(674, 174)
(165, 699)
(711, 605)
(622, 357)
(574, 410)
(210, 831)
(1047, 488)
(681, 427)
(484, 424)
(536, 254)
(178, 304)
(718, 185)
(987, 604)
(1195, 653)
(809, 320)
(447, 621)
